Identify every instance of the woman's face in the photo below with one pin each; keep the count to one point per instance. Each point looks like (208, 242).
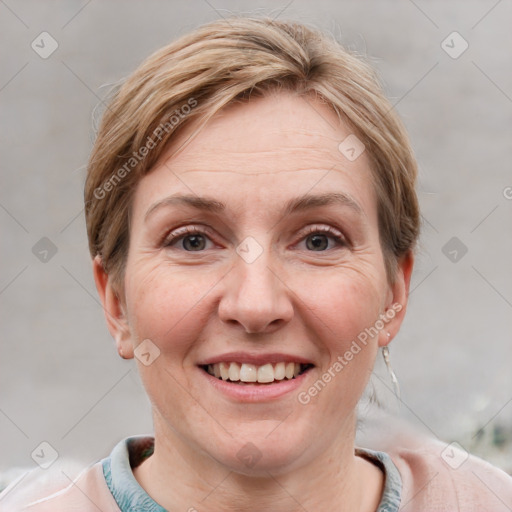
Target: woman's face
(255, 254)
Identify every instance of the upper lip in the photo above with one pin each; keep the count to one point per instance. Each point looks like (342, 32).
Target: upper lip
(257, 359)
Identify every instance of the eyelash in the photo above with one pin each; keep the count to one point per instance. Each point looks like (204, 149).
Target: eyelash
(183, 232)
(325, 230)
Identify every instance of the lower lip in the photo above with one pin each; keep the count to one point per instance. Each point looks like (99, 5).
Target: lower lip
(255, 392)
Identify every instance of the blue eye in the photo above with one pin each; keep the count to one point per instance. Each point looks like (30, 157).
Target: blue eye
(193, 239)
(319, 242)
(196, 242)
(317, 238)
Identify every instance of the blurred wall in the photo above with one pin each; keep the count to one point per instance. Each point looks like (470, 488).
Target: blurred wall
(446, 67)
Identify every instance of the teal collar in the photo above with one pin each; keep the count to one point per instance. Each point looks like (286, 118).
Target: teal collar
(129, 495)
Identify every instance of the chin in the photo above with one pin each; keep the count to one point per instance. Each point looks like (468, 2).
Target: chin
(259, 451)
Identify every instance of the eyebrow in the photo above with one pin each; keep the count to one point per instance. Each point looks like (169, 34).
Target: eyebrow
(306, 202)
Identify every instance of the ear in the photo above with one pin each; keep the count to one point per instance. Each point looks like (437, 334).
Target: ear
(397, 300)
(114, 309)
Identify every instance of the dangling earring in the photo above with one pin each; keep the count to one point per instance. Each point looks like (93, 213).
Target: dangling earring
(385, 355)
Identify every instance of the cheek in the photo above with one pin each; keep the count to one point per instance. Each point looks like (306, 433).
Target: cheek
(165, 306)
(344, 310)
(349, 352)
(345, 301)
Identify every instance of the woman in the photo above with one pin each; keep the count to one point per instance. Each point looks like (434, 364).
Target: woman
(252, 218)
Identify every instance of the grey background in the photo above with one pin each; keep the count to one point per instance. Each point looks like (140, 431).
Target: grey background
(61, 380)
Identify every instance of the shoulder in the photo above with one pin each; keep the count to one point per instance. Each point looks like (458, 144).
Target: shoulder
(436, 476)
(88, 492)
(54, 489)
(445, 477)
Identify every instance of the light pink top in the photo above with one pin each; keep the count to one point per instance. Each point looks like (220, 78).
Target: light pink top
(435, 477)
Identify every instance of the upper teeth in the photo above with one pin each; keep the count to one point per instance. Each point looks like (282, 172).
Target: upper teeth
(245, 372)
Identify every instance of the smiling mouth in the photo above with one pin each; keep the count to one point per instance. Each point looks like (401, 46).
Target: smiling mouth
(245, 373)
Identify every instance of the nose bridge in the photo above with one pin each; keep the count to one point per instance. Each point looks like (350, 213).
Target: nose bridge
(254, 296)
(256, 279)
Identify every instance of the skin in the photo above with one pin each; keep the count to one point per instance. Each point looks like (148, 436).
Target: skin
(292, 299)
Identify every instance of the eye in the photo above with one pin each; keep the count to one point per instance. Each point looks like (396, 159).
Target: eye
(317, 238)
(192, 238)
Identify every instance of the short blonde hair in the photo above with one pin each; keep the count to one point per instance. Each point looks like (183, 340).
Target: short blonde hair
(231, 60)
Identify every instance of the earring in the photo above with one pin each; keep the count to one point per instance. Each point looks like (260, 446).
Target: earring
(385, 355)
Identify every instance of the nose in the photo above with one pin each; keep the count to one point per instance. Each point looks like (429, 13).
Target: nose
(255, 297)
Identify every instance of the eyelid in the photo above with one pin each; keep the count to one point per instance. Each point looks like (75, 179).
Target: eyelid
(326, 229)
(181, 232)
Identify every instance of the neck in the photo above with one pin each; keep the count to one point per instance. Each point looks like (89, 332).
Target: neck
(180, 480)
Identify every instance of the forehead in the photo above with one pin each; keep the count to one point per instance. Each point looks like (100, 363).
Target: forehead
(281, 124)
(268, 149)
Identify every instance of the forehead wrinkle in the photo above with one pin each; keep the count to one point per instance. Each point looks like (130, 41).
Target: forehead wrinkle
(256, 173)
(229, 156)
(312, 161)
(274, 160)
(313, 150)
